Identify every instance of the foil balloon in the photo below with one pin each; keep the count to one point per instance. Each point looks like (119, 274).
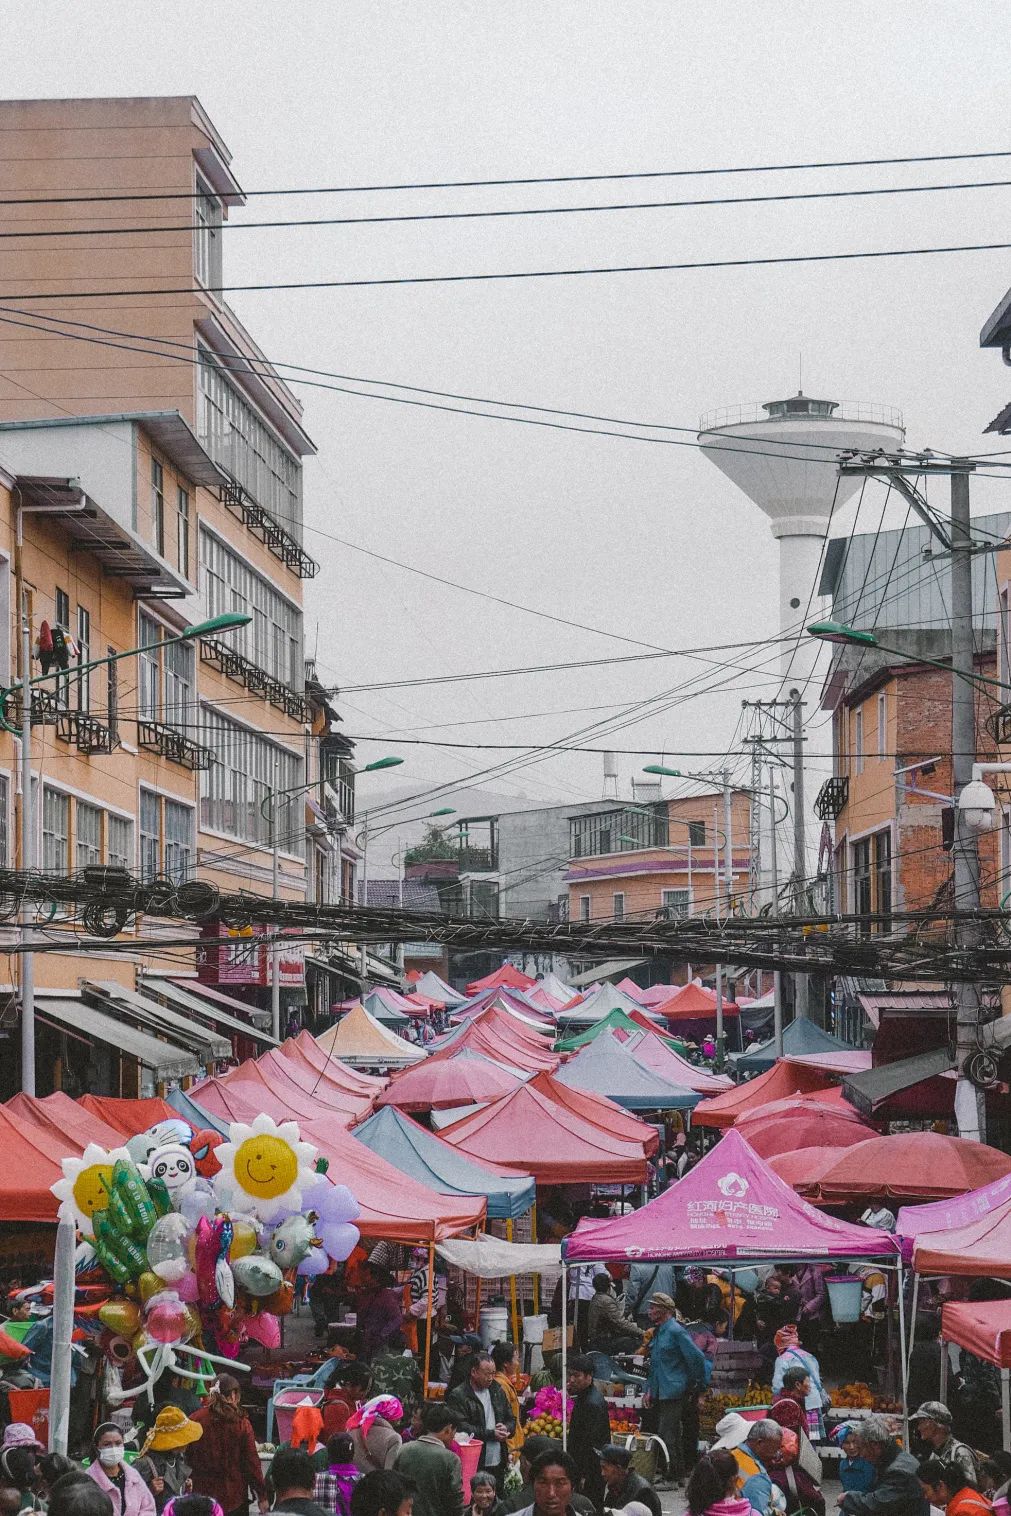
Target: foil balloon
(244, 1238)
(264, 1167)
(86, 1185)
(313, 1264)
(120, 1315)
(174, 1165)
(187, 1288)
(256, 1275)
(149, 1284)
(214, 1277)
(203, 1146)
(265, 1329)
(167, 1252)
(293, 1240)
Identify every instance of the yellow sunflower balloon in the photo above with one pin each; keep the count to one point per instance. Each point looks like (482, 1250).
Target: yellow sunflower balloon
(264, 1167)
(86, 1184)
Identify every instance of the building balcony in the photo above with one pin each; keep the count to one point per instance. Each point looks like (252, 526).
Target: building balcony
(85, 732)
(998, 724)
(154, 737)
(280, 542)
(831, 799)
(256, 680)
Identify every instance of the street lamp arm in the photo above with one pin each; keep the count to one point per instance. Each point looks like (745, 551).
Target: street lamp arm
(848, 636)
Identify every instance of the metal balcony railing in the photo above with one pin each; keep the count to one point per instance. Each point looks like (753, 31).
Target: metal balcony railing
(753, 413)
(86, 733)
(154, 737)
(281, 543)
(831, 799)
(249, 674)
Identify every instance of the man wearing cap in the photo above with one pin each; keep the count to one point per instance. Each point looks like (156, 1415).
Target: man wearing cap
(755, 1446)
(933, 1423)
(610, 1329)
(162, 1463)
(621, 1482)
(676, 1368)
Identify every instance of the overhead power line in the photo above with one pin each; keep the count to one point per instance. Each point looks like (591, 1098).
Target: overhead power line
(597, 178)
(518, 274)
(507, 213)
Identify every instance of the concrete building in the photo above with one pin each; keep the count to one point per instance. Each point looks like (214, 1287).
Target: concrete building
(152, 475)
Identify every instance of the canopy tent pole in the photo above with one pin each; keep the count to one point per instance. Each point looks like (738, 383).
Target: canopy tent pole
(537, 1277)
(902, 1352)
(1005, 1408)
(944, 1371)
(908, 1364)
(565, 1353)
(428, 1315)
(514, 1306)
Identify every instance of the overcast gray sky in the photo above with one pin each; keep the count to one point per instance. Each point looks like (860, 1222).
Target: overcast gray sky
(648, 542)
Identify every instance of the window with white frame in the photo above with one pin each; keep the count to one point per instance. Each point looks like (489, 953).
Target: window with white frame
(207, 238)
(119, 842)
(249, 771)
(239, 439)
(178, 853)
(55, 830)
(183, 531)
(675, 902)
(882, 725)
(166, 676)
(273, 639)
(858, 742)
(618, 905)
(150, 834)
(5, 858)
(83, 657)
(158, 506)
(584, 907)
(87, 835)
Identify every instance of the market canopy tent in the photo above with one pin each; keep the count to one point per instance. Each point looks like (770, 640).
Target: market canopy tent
(33, 1156)
(856, 1061)
(604, 1067)
(59, 1115)
(802, 1169)
(731, 1205)
(657, 1053)
(692, 1002)
(979, 1250)
(393, 1206)
(431, 1161)
(960, 1210)
(983, 1328)
(434, 988)
(555, 987)
(302, 1091)
(534, 1133)
(490, 1258)
(627, 1023)
(505, 978)
(498, 1036)
(359, 1038)
(388, 1006)
(467, 1078)
(600, 1111)
(593, 1005)
(801, 1038)
(512, 1002)
(128, 1117)
(777, 1083)
(629, 987)
(912, 1166)
(802, 1122)
(305, 1050)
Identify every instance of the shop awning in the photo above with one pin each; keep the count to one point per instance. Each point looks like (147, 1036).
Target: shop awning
(164, 1059)
(195, 1006)
(150, 1016)
(257, 1014)
(873, 1088)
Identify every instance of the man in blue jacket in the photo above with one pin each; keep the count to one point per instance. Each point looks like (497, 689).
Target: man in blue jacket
(676, 1369)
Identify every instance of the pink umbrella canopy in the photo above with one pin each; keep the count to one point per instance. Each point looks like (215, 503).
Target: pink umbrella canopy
(731, 1205)
(785, 1125)
(803, 1168)
(465, 1079)
(912, 1166)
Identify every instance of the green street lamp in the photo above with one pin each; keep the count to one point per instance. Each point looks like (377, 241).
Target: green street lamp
(659, 768)
(851, 636)
(381, 763)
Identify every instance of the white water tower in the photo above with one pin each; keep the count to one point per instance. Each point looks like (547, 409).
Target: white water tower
(783, 456)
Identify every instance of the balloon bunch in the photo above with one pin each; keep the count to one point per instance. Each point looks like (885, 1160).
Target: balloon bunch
(202, 1239)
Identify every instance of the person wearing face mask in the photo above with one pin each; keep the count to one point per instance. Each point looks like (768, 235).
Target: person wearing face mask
(126, 1489)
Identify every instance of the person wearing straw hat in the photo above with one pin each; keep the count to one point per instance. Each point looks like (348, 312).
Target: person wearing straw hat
(162, 1463)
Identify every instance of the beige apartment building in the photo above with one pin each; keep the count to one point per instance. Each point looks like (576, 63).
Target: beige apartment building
(150, 478)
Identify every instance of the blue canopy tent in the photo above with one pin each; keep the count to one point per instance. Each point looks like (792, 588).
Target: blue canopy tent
(198, 1118)
(800, 1038)
(427, 1158)
(604, 1067)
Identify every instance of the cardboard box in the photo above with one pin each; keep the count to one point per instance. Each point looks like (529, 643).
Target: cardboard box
(553, 1339)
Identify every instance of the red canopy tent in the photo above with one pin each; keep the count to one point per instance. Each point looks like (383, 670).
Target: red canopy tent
(32, 1161)
(283, 1074)
(532, 1132)
(912, 1166)
(305, 1050)
(980, 1249)
(58, 1114)
(693, 1002)
(128, 1116)
(467, 1078)
(505, 978)
(803, 1168)
(777, 1083)
(800, 1122)
(655, 1053)
(500, 1036)
(600, 1112)
(982, 1328)
(393, 1206)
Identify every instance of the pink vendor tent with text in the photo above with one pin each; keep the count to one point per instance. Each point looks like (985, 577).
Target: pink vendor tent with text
(730, 1206)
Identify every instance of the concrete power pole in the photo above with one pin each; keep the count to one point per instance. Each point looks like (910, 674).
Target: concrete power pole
(800, 982)
(970, 1104)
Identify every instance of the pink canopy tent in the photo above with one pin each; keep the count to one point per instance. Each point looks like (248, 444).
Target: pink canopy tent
(467, 1078)
(777, 1083)
(505, 978)
(783, 1126)
(304, 1049)
(61, 1116)
(731, 1205)
(629, 987)
(656, 1054)
(982, 1328)
(959, 1211)
(287, 1081)
(657, 994)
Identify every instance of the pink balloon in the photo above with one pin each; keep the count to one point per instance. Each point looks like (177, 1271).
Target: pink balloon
(187, 1287)
(166, 1320)
(265, 1329)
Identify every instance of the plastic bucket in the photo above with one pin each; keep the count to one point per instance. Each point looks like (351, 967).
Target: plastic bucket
(534, 1328)
(470, 1457)
(844, 1295)
(494, 1324)
(286, 1403)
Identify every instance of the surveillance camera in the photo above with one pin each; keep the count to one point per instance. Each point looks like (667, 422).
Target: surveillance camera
(976, 806)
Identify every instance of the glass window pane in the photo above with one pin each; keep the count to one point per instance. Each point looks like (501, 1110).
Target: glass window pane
(178, 840)
(55, 830)
(88, 835)
(120, 842)
(150, 835)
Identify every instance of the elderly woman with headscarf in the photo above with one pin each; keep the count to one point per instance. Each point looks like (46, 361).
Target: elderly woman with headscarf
(797, 1375)
(800, 1489)
(373, 1432)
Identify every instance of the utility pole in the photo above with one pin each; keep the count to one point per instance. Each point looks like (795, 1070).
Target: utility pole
(777, 978)
(970, 1104)
(800, 985)
(28, 861)
(275, 949)
(719, 967)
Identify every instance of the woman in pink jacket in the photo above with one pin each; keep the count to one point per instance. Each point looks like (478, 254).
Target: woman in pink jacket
(126, 1489)
(712, 1487)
